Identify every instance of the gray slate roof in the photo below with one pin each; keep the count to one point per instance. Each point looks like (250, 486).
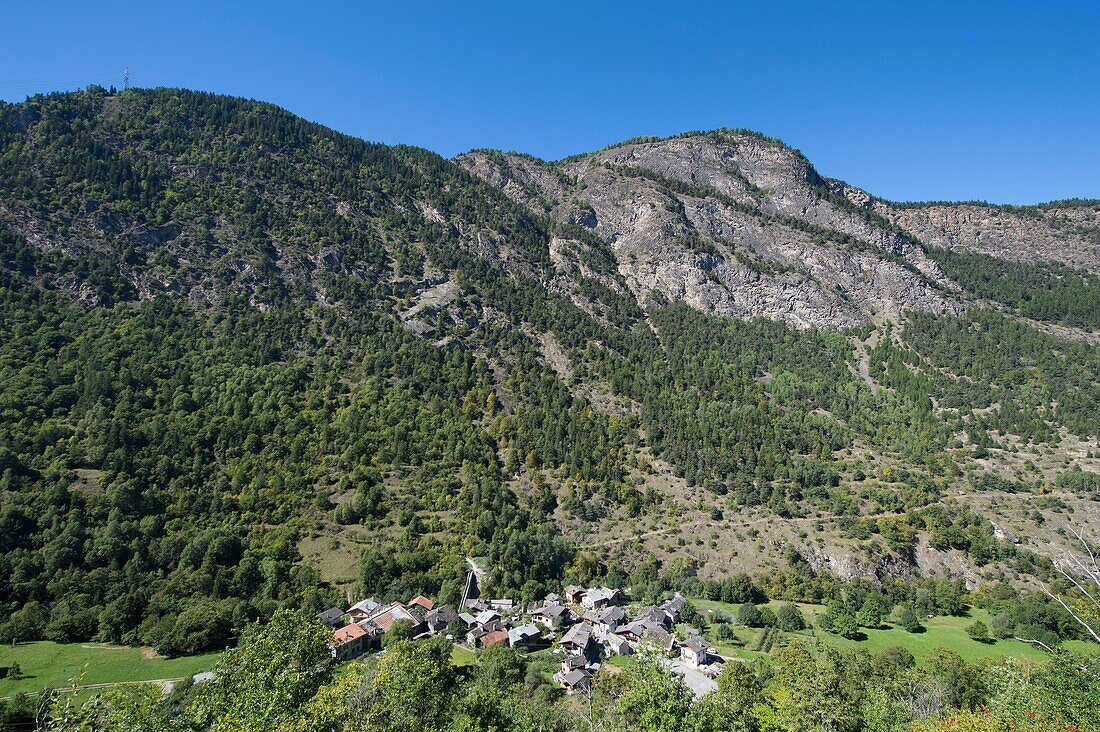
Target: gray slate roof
(574, 677)
(331, 616)
(697, 644)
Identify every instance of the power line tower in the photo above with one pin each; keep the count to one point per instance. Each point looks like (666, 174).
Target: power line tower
(126, 78)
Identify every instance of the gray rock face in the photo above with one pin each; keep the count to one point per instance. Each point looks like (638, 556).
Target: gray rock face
(1070, 235)
(733, 224)
(1063, 231)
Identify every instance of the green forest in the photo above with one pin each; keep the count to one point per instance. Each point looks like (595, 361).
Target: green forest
(1042, 290)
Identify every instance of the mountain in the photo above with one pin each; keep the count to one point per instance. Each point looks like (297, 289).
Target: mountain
(249, 362)
(738, 224)
(733, 224)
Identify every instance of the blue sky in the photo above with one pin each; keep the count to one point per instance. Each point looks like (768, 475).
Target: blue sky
(997, 101)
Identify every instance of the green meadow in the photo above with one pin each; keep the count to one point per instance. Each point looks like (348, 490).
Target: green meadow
(463, 656)
(48, 664)
(939, 632)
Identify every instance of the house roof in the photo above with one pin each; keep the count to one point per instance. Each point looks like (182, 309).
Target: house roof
(675, 604)
(578, 635)
(391, 614)
(486, 616)
(491, 639)
(364, 607)
(348, 633)
(600, 594)
(574, 677)
(331, 615)
(611, 614)
(616, 641)
(522, 633)
(696, 644)
(642, 626)
(370, 628)
(653, 614)
(442, 614)
(571, 662)
(551, 611)
(661, 638)
(423, 602)
(368, 604)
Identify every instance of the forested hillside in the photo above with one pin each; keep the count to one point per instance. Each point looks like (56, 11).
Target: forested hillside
(248, 363)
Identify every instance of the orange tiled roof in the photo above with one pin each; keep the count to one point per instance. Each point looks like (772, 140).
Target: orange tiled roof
(348, 633)
(423, 602)
(491, 639)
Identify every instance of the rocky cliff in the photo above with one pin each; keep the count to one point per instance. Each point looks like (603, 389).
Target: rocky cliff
(733, 224)
(738, 224)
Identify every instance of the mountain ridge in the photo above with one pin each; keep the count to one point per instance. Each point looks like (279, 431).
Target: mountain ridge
(821, 269)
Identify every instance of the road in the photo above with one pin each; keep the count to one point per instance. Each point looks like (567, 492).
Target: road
(699, 683)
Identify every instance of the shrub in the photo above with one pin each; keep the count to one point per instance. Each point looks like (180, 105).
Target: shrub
(750, 615)
(978, 631)
(908, 619)
(840, 620)
(789, 618)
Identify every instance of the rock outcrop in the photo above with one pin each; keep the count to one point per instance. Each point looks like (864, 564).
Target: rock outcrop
(1063, 231)
(733, 224)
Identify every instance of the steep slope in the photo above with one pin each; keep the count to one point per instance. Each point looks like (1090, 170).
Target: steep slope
(738, 224)
(247, 362)
(732, 223)
(210, 352)
(127, 171)
(1066, 232)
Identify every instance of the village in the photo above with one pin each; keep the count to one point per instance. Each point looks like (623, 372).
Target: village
(583, 626)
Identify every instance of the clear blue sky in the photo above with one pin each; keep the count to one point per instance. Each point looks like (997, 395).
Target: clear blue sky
(997, 100)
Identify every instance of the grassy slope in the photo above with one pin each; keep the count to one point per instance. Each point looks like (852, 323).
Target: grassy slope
(946, 632)
(463, 656)
(45, 663)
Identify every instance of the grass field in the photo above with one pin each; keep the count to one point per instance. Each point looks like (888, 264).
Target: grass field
(941, 632)
(463, 656)
(45, 663)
